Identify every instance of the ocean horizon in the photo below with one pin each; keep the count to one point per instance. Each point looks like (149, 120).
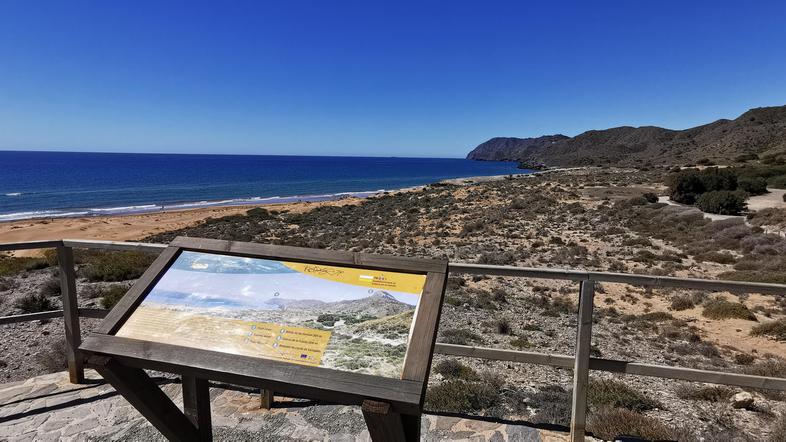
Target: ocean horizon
(39, 185)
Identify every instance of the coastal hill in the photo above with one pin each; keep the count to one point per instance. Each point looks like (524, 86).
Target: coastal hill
(760, 132)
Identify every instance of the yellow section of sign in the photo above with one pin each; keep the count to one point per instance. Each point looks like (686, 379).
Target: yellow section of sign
(299, 345)
(376, 279)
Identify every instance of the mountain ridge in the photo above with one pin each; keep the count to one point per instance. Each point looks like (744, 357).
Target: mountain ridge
(760, 131)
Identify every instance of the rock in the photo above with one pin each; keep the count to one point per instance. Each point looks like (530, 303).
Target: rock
(742, 400)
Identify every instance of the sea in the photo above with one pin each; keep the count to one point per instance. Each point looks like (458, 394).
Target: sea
(36, 185)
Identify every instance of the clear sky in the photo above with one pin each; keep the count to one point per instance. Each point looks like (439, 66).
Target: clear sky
(373, 78)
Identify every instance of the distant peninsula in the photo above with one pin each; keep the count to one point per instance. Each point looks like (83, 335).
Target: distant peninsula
(757, 134)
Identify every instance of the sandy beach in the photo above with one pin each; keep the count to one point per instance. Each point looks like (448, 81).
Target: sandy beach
(134, 227)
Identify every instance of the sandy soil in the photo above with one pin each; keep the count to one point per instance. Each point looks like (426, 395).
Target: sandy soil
(132, 227)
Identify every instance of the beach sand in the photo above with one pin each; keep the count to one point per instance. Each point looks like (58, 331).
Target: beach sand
(133, 227)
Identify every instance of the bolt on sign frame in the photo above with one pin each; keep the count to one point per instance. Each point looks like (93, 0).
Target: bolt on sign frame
(392, 407)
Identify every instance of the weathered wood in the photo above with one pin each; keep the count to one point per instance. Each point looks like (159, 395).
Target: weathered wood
(114, 245)
(97, 313)
(73, 335)
(266, 399)
(553, 360)
(282, 377)
(196, 405)
(316, 256)
(30, 245)
(384, 425)
(581, 366)
(615, 366)
(420, 348)
(621, 278)
(136, 294)
(31, 317)
(144, 395)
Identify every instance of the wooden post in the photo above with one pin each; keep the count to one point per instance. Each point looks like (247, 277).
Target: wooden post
(581, 364)
(266, 399)
(73, 336)
(384, 425)
(141, 392)
(196, 405)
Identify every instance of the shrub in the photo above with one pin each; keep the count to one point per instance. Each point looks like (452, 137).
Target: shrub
(754, 185)
(453, 369)
(744, 359)
(711, 393)
(774, 329)
(682, 302)
(10, 265)
(53, 358)
(34, 303)
(608, 423)
(722, 202)
(722, 309)
(462, 397)
(117, 266)
(604, 393)
(459, 336)
(111, 295)
(503, 326)
(553, 404)
(50, 287)
(650, 197)
(719, 257)
(521, 343)
(686, 186)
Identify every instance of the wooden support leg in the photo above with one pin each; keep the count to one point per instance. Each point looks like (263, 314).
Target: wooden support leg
(581, 366)
(383, 424)
(73, 337)
(141, 392)
(266, 399)
(196, 406)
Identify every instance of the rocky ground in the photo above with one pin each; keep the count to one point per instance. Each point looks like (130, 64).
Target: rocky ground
(598, 219)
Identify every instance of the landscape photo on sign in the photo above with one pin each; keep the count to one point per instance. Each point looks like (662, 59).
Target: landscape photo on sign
(336, 317)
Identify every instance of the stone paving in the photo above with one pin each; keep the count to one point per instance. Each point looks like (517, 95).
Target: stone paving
(49, 408)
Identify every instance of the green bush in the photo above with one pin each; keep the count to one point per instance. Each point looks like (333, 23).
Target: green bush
(754, 186)
(778, 182)
(604, 393)
(34, 303)
(460, 336)
(686, 186)
(10, 265)
(50, 287)
(453, 369)
(609, 423)
(682, 302)
(116, 266)
(774, 329)
(722, 309)
(111, 295)
(463, 397)
(712, 393)
(722, 202)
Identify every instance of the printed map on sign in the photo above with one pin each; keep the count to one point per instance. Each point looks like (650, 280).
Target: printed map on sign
(336, 317)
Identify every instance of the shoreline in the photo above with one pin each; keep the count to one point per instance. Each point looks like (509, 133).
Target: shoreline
(135, 226)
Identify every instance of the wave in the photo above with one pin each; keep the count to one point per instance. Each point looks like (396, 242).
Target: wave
(150, 208)
(14, 194)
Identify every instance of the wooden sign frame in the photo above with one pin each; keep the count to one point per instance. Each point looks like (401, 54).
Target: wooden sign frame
(392, 407)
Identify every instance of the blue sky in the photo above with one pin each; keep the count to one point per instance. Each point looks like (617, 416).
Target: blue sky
(373, 78)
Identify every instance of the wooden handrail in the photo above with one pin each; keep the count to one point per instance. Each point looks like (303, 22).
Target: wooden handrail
(582, 363)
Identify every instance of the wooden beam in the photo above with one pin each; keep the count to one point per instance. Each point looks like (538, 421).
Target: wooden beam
(114, 245)
(31, 317)
(73, 336)
(196, 405)
(282, 377)
(144, 395)
(384, 425)
(97, 313)
(581, 367)
(29, 245)
(266, 399)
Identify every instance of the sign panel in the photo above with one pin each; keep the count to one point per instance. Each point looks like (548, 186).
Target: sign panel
(312, 314)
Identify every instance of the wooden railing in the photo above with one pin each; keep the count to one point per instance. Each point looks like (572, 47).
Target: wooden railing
(581, 362)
